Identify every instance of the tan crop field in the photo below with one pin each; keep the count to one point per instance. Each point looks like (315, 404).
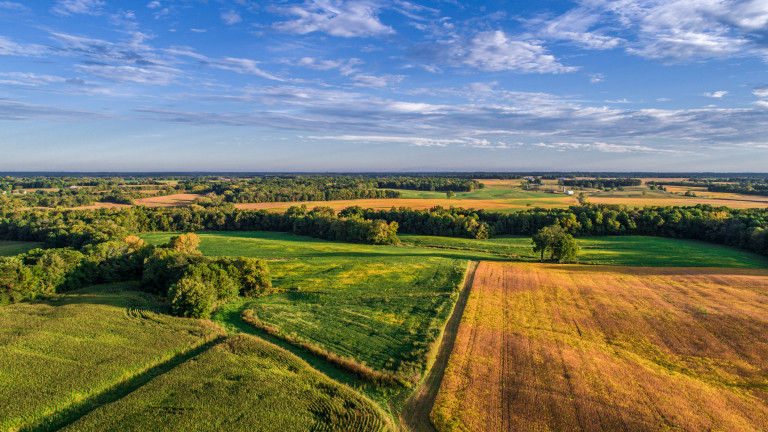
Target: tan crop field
(597, 348)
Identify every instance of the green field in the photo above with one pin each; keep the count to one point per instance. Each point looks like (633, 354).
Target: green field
(381, 306)
(11, 248)
(623, 251)
(60, 352)
(241, 384)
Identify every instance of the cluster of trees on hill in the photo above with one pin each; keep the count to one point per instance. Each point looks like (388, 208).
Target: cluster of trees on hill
(192, 283)
(603, 183)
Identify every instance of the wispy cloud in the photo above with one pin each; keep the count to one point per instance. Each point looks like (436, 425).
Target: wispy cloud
(15, 110)
(70, 7)
(9, 47)
(12, 6)
(493, 51)
(350, 18)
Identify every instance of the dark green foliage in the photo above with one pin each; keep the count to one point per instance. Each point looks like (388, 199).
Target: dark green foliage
(16, 281)
(561, 245)
(191, 297)
(250, 274)
(438, 184)
(603, 183)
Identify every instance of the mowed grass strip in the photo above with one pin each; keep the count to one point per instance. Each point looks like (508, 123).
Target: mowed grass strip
(591, 348)
(11, 248)
(58, 352)
(380, 306)
(611, 250)
(241, 384)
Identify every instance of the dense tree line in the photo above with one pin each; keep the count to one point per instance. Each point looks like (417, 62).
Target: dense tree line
(740, 188)
(603, 183)
(438, 184)
(76, 228)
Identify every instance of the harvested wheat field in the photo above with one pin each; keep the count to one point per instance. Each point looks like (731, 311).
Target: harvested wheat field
(597, 348)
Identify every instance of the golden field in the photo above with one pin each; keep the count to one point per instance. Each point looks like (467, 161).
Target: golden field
(597, 348)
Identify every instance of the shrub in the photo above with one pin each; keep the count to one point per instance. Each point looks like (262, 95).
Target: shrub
(191, 298)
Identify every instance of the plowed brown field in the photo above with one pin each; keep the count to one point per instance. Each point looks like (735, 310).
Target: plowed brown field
(595, 348)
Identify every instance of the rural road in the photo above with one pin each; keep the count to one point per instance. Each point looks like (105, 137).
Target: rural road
(415, 414)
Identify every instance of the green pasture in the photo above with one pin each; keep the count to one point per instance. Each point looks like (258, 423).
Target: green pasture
(622, 250)
(240, 384)
(11, 248)
(379, 305)
(58, 352)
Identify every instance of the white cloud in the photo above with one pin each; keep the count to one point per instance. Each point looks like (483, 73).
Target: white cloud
(29, 79)
(574, 26)
(197, 30)
(596, 78)
(669, 30)
(86, 7)
(12, 6)
(381, 81)
(495, 51)
(154, 4)
(350, 18)
(123, 74)
(762, 103)
(345, 67)
(415, 141)
(231, 17)
(761, 92)
(716, 95)
(9, 47)
(243, 66)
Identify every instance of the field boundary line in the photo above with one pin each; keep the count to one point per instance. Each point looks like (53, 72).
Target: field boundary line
(63, 418)
(415, 413)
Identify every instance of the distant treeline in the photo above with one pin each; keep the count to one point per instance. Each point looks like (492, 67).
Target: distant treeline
(603, 184)
(741, 188)
(439, 184)
(743, 228)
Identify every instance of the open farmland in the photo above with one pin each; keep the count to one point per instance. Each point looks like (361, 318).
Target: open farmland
(241, 384)
(56, 354)
(595, 348)
(381, 306)
(618, 250)
(10, 248)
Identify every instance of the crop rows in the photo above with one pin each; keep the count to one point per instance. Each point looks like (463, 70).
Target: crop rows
(58, 352)
(241, 384)
(600, 349)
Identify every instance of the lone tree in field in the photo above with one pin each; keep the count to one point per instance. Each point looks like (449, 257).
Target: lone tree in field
(450, 194)
(561, 245)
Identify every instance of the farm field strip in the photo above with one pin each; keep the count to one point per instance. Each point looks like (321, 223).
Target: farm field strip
(240, 384)
(590, 348)
(45, 347)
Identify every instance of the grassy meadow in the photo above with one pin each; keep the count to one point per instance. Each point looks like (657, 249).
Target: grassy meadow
(620, 250)
(57, 353)
(240, 384)
(596, 348)
(11, 248)
(381, 306)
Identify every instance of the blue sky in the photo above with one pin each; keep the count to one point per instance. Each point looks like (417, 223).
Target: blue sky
(384, 85)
